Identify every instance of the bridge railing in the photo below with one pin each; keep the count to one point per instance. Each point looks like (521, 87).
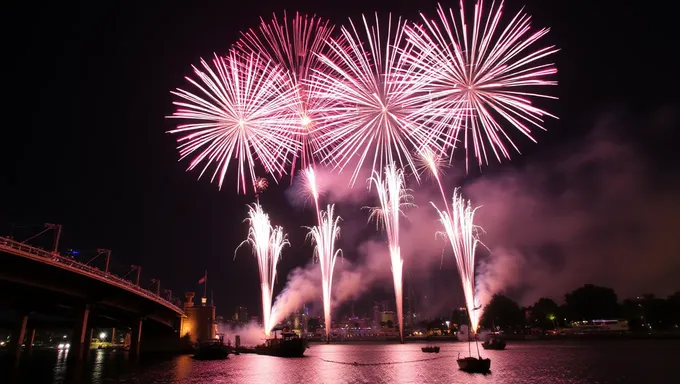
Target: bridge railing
(54, 256)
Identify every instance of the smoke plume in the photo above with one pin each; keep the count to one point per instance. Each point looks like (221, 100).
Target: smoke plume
(251, 334)
(600, 211)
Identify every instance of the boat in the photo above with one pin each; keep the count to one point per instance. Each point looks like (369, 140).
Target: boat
(211, 350)
(494, 343)
(474, 365)
(430, 349)
(288, 345)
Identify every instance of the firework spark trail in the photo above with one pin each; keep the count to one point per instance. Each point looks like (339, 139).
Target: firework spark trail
(393, 197)
(239, 114)
(311, 187)
(459, 228)
(480, 74)
(324, 236)
(374, 111)
(296, 45)
(267, 242)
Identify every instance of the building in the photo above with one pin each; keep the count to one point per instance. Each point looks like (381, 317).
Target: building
(240, 315)
(200, 322)
(387, 316)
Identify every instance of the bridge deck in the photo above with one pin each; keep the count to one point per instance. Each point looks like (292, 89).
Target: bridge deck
(52, 258)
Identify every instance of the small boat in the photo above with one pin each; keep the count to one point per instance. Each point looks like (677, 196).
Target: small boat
(211, 350)
(494, 343)
(289, 345)
(474, 365)
(430, 349)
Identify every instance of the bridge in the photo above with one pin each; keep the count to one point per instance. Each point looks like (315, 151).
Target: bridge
(45, 287)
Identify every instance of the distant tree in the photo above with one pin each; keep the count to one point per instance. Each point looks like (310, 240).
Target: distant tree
(649, 313)
(383, 324)
(674, 306)
(389, 324)
(591, 302)
(502, 312)
(544, 314)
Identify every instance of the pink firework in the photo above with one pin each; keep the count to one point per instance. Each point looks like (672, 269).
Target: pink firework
(267, 243)
(238, 114)
(479, 74)
(393, 197)
(371, 90)
(296, 45)
(462, 233)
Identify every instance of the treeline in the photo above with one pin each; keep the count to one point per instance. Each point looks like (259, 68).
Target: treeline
(590, 302)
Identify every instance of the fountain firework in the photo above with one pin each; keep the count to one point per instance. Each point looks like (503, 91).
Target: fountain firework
(267, 243)
(393, 196)
(324, 236)
(459, 228)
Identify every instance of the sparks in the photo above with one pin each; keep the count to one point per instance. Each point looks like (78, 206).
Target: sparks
(371, 91)
(267, 243)
(324, 236)
(241, 116)
(393, 197)
(462, 233)
(296, 46)
(480, 75)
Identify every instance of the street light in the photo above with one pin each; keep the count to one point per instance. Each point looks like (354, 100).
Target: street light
(102, 336)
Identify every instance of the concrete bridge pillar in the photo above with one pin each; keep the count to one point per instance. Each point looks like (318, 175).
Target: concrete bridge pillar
(136, 338)
(79, 334)
(113, 336)
(30, 337)
(88, 342)
(18, 337)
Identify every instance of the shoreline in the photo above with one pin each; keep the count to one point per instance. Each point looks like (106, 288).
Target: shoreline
(514, 338)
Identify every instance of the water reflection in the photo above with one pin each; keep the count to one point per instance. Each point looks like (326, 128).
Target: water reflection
(59, 370)
(525, 362)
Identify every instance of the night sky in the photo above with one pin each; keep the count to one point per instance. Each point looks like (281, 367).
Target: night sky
(84, 145)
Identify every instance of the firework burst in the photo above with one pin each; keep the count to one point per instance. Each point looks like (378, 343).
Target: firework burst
(461, 232)
(238, 114)
(371, 89)
(296, 45)
(479, 75)
(324, 236)
(267, 243)
(393, 198)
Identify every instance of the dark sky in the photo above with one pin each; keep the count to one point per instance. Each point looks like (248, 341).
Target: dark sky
(87, 90)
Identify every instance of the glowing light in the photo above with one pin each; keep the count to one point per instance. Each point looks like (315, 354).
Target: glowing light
(243, 112)
(102, 335)
(305, 121)
(479, 73)
(393, 197)
(267, 243)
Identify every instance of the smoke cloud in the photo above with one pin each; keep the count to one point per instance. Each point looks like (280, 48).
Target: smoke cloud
(599, 210)
(251, 334)
(350, 281)
(602, 211)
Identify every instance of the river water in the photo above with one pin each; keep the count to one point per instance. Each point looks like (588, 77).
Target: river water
(620, 361)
